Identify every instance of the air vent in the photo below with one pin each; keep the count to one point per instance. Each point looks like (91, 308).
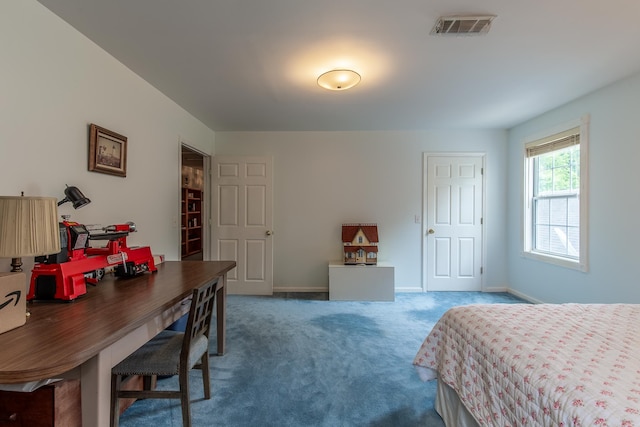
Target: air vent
(462, 25)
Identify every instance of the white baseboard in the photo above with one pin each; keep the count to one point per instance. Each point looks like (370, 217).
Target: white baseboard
(323, 289)
(512, 292)
(496, 289)
(525, 297)
(300, 289)
(409, 289)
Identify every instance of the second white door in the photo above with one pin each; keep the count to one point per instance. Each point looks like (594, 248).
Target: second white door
(243, 221)
(453, 222)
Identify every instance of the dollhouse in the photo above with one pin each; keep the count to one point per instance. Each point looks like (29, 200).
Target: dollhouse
(360, 243)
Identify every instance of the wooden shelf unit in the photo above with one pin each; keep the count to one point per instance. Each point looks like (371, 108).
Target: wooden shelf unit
(191, 221)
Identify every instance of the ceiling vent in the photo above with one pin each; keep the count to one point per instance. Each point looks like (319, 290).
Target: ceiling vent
(462, 25)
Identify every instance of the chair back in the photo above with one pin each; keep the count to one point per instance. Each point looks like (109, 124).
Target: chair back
(199, 321)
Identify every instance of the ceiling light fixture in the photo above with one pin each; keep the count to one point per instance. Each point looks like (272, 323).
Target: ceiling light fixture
(339, 79)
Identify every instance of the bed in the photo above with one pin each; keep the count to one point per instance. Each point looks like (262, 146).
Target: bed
(535, 365)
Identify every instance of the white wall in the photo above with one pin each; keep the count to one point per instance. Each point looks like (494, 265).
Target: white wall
(614, 202)
(54, 82)
(323, 179)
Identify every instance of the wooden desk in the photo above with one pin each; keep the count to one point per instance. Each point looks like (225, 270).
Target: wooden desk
(85, 338)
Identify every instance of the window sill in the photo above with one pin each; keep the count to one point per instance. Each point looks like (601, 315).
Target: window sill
(562, 262)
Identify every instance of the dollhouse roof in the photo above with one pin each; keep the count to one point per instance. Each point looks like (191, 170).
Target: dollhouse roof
(349, 232)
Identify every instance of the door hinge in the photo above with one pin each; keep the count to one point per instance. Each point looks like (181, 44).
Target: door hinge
(481, 270)
(481, 221)
(481, 171)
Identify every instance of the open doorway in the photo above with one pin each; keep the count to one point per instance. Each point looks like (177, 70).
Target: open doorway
(193, 205)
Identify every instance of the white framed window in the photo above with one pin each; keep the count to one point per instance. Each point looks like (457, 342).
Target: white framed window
(555, 213)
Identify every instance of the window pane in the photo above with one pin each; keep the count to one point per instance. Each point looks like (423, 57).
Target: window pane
(541, 209)
(545, 181)
(546, 161)
(543, 174)
(573, 215)
(559, 211)
(542, 238)
(558, 240)
(562, 170)
(557, 171)
(574, 241)
(556, 225)
(562, 179)
(562, 158)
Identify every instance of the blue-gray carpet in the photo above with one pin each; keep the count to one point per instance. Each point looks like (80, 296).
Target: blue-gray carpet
(300, 362)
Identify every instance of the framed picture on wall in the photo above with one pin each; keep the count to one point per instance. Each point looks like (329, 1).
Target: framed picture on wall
(107, 151)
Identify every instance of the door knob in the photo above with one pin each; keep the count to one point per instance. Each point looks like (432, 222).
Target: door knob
(431, 231)
(269, 232)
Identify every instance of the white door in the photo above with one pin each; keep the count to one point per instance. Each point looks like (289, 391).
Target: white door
(243, 220)
(453, 222)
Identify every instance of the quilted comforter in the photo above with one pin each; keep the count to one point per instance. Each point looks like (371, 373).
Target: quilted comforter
(540, 365)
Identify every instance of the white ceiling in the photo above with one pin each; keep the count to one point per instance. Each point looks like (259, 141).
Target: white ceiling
(252, 64)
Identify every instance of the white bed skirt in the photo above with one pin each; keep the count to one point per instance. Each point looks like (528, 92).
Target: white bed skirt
(451, 409)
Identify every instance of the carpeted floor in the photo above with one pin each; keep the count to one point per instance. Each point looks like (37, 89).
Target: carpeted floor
(295, 360)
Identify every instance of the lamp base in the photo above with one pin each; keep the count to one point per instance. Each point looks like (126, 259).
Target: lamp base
(16, 265)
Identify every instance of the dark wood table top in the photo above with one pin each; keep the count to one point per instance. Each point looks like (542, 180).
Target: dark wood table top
(60, 336)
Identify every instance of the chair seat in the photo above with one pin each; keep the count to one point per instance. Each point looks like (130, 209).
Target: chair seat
(160, 356)
(170, 353)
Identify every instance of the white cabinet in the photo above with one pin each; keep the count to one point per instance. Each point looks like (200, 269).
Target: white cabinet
(361, 282)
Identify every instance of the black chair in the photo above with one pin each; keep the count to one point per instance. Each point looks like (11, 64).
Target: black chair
(170, 353)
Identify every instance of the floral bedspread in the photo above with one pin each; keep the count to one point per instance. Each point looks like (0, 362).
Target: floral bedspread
(517, 365)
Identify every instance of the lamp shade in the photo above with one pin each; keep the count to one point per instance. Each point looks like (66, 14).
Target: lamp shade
(28, 226)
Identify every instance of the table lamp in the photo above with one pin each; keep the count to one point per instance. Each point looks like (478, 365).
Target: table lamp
(28, 227)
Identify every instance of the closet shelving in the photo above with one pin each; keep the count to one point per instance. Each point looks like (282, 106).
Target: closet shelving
(191, 221)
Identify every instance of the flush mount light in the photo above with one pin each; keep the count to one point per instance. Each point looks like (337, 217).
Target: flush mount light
(339, 79)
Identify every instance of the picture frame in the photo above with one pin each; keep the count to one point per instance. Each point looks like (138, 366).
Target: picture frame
(107, 151)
